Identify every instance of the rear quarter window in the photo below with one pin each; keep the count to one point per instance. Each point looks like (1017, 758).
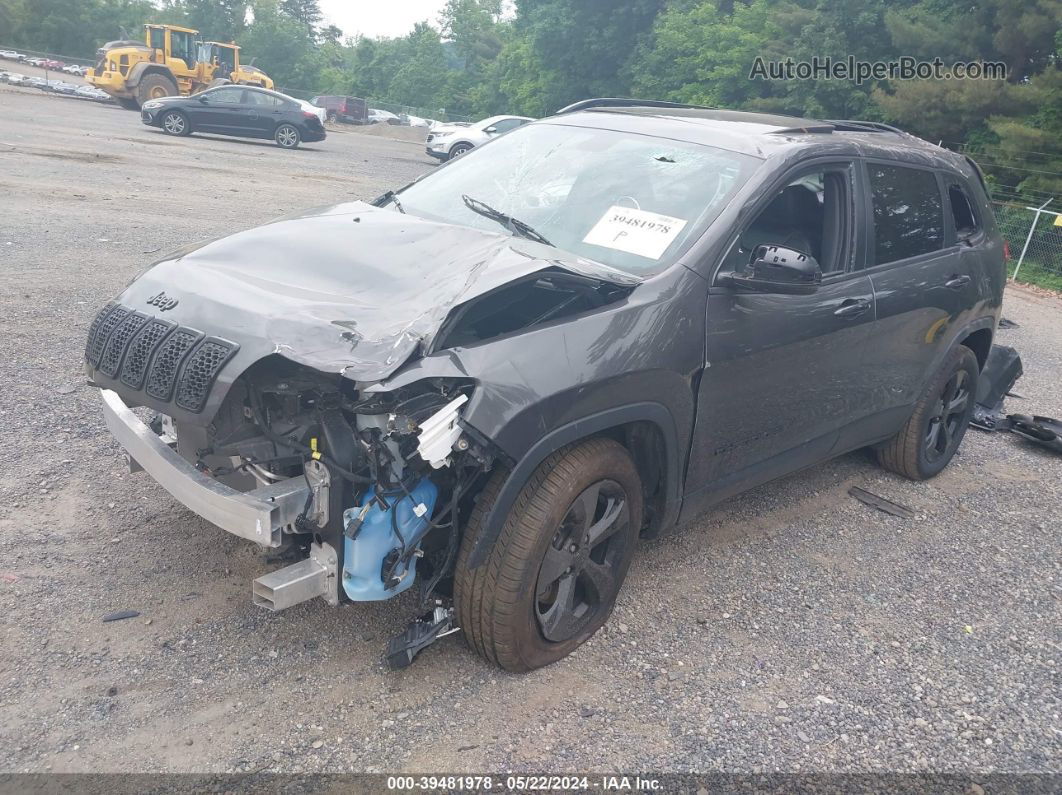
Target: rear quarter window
(962, 211)
(908, 212)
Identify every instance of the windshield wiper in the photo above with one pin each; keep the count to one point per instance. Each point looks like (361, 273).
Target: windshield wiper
(392, 197)
(514, 225)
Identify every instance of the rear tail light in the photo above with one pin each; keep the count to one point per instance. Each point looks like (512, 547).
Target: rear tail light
(1006, 251)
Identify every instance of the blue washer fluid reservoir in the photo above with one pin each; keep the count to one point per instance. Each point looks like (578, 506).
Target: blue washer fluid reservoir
(364, 555)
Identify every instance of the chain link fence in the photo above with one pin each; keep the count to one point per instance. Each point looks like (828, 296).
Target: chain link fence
(1034, 236)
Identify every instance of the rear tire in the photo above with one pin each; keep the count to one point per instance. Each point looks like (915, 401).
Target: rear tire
(174, 122)
(931, 437)
(155, 87)
(551, 578)
(287, 136)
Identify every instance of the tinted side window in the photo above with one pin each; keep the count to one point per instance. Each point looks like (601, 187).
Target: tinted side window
(226, 96)
(260, 99)
(908, 214)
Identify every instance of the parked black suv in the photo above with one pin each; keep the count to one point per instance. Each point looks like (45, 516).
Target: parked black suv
(584, 333)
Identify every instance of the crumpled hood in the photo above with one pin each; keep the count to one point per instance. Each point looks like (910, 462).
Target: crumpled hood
(350, 288)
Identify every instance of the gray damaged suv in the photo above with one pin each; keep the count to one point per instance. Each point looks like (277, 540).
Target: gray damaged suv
(493, 382)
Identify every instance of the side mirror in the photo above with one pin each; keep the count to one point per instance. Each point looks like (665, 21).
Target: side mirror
(491, 129)
(203, 99)
(776, 269)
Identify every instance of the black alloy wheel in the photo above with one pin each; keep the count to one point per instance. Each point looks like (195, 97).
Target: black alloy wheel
(948, 416)
(578, 575)
(552, 574)
(932, 434)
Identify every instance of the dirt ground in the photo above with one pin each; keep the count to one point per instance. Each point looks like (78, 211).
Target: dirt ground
(791, 629)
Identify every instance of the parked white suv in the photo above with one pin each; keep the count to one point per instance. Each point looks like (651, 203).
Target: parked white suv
(449, 141)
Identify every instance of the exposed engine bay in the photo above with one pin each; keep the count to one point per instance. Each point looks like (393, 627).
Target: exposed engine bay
(386, 476)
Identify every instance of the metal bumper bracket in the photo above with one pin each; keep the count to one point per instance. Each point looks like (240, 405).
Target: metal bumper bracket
(260, 515)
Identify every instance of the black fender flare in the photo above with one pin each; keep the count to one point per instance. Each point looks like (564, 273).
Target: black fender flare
(957, 336)
(655, 413)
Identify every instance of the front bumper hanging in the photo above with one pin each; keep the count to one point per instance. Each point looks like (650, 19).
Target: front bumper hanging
(259, 515)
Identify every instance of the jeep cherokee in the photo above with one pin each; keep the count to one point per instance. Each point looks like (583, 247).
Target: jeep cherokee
(584, 333)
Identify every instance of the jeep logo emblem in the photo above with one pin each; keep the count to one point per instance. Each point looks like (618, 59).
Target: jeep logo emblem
(162, 301)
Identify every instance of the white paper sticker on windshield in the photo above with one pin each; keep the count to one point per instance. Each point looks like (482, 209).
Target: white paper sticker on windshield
(635, 231)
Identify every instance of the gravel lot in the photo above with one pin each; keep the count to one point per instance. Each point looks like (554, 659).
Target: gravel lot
(792, 629)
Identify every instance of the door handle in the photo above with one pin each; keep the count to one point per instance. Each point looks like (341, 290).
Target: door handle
(852, 307)
(957, 282)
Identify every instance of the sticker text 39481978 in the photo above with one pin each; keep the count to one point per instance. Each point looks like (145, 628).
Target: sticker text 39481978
(635, 231)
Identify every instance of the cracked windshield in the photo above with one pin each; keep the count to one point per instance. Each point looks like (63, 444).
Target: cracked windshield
(626, 201)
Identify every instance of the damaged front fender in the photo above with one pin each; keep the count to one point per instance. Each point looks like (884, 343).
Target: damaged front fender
(546, 387)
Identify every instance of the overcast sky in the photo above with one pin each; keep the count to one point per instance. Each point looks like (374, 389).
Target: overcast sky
(376, 18)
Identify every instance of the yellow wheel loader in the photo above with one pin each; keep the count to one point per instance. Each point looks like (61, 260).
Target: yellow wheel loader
(170, 61)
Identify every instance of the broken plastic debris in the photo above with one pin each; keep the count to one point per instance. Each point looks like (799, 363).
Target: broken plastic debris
(882, 504)
(440, 432)
(121, 615)
(1044, 431)
(1001, 370)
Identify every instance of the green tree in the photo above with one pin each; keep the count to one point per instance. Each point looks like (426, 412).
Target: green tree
(473, 27)
(1020, 33)
(580, 47)
(224, 20)
(422, 76)
(283, 46)
(308, 12)
(72, 27)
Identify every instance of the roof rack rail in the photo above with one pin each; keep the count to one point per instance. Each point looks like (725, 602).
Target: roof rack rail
(625, 102)
(856, 125)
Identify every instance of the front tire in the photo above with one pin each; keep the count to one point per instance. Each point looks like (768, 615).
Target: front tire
(929, 440)
(175, 123)
(155, 87)
(287, 136)
(458, 150)
(551, 578)
(128, 103)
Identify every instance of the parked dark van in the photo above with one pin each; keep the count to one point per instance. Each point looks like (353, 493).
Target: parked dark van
(350, 110)
(497, 380)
